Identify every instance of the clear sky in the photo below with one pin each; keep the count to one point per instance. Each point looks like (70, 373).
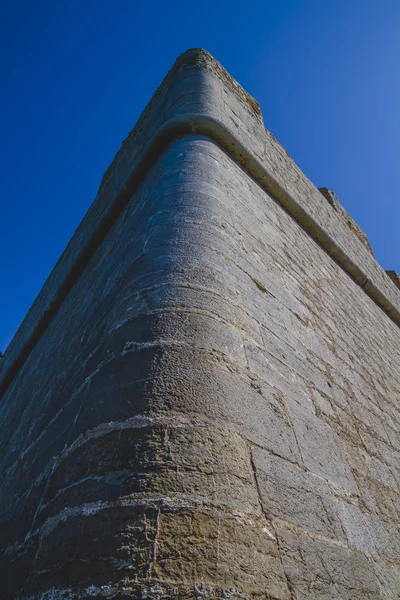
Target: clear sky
(75, 75)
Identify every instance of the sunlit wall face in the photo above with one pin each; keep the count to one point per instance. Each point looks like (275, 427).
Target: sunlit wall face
(74, 77)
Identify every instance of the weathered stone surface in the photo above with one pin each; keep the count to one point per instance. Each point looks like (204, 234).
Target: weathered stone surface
(320, 448)
(334, 202)
(292, 494)
(203, 401)
(317, 570)
(213, 547)
(394, 277)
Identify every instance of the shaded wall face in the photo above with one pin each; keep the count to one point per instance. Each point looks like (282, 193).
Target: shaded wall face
(213, 411)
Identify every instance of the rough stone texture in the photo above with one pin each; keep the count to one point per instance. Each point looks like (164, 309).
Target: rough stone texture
(334, 202)
(213, 409)
(394, 277)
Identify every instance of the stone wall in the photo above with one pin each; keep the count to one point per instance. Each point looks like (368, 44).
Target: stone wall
(210, 408)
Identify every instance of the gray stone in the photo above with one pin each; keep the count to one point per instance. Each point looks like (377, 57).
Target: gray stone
(202, 401)
(292, 494)
(320, 448)
(317, 570)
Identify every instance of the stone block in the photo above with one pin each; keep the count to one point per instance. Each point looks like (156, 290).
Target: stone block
(321, 448)
(292, 494)
(317, 570)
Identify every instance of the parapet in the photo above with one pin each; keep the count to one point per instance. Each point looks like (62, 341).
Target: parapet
(394, 277)
(334, 202)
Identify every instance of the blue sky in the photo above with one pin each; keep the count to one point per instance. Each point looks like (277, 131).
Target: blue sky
(75, 76)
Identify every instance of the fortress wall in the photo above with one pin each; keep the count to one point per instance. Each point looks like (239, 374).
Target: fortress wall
(199, 96)
(126, 452)
(212, 412)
